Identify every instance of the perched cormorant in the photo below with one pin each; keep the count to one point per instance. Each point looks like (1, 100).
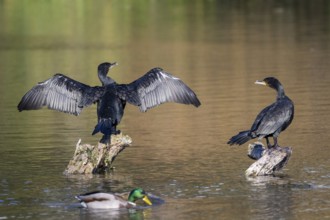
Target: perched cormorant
(67, 95)
(272, 120)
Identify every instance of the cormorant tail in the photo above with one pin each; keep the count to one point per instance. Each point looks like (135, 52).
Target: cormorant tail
(240, 138)
(104, 126)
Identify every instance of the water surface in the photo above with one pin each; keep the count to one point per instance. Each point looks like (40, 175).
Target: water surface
(219, 48)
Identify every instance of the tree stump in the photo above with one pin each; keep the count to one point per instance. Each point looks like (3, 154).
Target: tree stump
(89, 159)
(268, 161)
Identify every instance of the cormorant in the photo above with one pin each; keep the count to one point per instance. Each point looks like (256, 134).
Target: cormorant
(272, 120)
(64, 94)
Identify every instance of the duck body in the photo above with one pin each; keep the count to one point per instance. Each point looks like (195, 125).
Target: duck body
(100, 200)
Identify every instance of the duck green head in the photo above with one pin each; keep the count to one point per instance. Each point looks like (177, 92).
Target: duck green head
(137, 194)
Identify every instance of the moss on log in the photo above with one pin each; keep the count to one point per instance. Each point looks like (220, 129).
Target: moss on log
(268, 160)
(89, 159)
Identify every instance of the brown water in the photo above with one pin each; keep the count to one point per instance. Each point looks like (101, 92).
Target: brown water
(219, 48)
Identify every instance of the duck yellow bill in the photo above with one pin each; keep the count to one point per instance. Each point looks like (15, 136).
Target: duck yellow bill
(260, 83)
(146, 200)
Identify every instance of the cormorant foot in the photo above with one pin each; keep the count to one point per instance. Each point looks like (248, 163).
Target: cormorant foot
(276, 146)
(273, 146)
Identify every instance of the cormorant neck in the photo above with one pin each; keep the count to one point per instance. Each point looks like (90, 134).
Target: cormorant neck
(280, 91)
(105, 79)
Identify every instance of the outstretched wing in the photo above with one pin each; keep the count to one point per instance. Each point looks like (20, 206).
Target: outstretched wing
(155, 88)
(60, 93)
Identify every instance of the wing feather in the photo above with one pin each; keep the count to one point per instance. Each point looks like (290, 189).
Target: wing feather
(157, 87)
(60, 93)
(272, 118)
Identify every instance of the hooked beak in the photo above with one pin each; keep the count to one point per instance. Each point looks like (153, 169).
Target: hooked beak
(261, 83)
(114, 64)
(146, 200)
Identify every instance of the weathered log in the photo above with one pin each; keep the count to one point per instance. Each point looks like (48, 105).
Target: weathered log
(96, 159)
(268, 161)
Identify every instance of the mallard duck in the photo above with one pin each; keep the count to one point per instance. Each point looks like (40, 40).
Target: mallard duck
(100, 200)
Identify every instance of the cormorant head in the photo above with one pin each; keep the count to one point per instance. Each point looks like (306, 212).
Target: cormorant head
(139, 193)
(273, 83)
(103, 68)
(269, 81)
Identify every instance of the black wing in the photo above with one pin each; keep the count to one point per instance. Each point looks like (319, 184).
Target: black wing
(260, 117)
(155, 88)
(60, 93)
(273, 118)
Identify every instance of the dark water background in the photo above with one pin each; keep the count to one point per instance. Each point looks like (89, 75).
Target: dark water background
(219, 48)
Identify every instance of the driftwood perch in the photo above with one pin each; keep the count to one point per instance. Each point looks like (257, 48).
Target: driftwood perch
(268, 160)
(96, 159)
